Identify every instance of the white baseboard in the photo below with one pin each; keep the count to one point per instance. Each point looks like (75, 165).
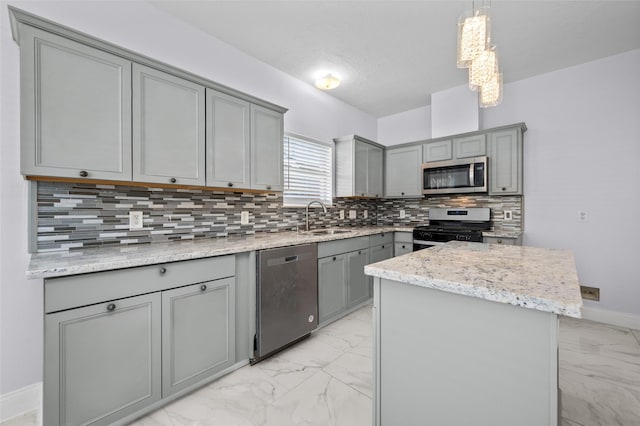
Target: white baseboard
(620, 319)
(21, 401)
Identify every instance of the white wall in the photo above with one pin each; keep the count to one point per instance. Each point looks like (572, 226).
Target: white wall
(407, 126)
(454, 111)
(581, 154)
(142, 28)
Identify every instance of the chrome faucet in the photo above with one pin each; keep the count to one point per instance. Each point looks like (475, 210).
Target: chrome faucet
(311, 202)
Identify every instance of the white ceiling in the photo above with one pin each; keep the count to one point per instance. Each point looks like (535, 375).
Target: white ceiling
(393, 54)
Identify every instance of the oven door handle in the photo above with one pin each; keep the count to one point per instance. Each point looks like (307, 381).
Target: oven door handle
(427, 243)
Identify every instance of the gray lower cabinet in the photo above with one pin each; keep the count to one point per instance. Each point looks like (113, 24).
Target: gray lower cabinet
(228, 141)
(380, 253)
(267, 138)
(358, 284)
(403, 243)
(342, 284)
(403, 172)
(168, 128)
(332, 287)
(505, 161)
(102, 362)
(198, 333)
(118, 342)
(75, 109)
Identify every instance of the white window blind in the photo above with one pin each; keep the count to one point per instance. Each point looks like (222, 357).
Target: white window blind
(308, 172)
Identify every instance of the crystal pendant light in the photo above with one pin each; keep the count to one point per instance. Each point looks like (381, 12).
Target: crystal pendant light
(473, 35)
(491, 91)
(483, 68)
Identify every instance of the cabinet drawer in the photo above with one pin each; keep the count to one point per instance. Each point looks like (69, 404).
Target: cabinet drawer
(80, 290)
(402, 248)
(403, 237)
(501, 240)
(331, 248)
(381, 238)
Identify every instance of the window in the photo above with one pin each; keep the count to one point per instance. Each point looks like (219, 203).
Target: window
(308, 171)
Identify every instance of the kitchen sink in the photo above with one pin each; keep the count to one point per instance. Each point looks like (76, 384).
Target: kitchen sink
(329, 231)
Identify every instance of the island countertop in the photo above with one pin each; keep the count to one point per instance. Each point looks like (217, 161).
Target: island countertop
(530, 277)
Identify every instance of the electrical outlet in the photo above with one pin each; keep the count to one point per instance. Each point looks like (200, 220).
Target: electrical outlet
(402, 214)
(244, 218)
(583, 216)
(508, 215)
(135, 220)
(590, 293)
(353, 214)
(342, 214)
(365, 214)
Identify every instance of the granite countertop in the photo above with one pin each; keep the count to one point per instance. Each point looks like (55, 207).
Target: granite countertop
(58, 264)
(530, 277)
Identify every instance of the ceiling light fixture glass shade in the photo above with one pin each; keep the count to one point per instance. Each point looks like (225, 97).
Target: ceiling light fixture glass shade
(328, 82)
(491, 91)
(473, 35)
(483, 68)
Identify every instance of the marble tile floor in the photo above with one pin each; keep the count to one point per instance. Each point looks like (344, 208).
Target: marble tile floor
(326, 380)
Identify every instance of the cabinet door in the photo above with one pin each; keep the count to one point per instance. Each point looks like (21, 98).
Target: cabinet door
(374, 171)
(359, 285)
(332, 287)
(267, 138)
(505, 162)
(198, 333)
(403, 172)
(228, 141)
(361, 170)
(402, 248)
(437, 151)
(380, 253)
(75, 109)
(168, 128)
(470, 146)
(102, 362)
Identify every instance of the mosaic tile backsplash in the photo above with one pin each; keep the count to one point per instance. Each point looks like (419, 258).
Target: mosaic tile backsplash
(74, 216)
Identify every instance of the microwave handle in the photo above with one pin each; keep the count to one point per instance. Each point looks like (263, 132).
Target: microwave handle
(471, 174)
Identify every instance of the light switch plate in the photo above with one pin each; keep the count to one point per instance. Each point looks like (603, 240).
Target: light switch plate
(341, 214)
(365, 214)
(244, 218)
(402, 214)
(508, 215)
(353, 214)
(135, 220)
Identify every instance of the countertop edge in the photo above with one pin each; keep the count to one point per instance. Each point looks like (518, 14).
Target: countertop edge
(147, 254)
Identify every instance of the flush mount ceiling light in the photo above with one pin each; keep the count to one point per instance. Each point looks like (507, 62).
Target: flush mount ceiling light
(328, 81)
(476, 53)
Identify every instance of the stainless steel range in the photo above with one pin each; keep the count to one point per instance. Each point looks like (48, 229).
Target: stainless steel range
(456, 224)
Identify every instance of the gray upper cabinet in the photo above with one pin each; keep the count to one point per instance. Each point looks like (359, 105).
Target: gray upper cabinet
(437, 151)
(75, 109)
(168, 128)
(198, 333)
(470, 146)
(267, 138)
(359, 167)
(402, 173)
(102, 361)
(505, 161)
(228, 141)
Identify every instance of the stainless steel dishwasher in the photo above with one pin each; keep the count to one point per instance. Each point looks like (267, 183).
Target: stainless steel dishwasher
(287, 297)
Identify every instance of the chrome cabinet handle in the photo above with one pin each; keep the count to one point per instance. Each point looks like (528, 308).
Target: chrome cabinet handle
(111, 307)
(163, 270)
(84, 173)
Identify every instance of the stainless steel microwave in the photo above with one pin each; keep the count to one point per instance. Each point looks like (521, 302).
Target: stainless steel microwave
(455, 176)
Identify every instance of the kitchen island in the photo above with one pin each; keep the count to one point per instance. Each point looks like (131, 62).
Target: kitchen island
(467, 334)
